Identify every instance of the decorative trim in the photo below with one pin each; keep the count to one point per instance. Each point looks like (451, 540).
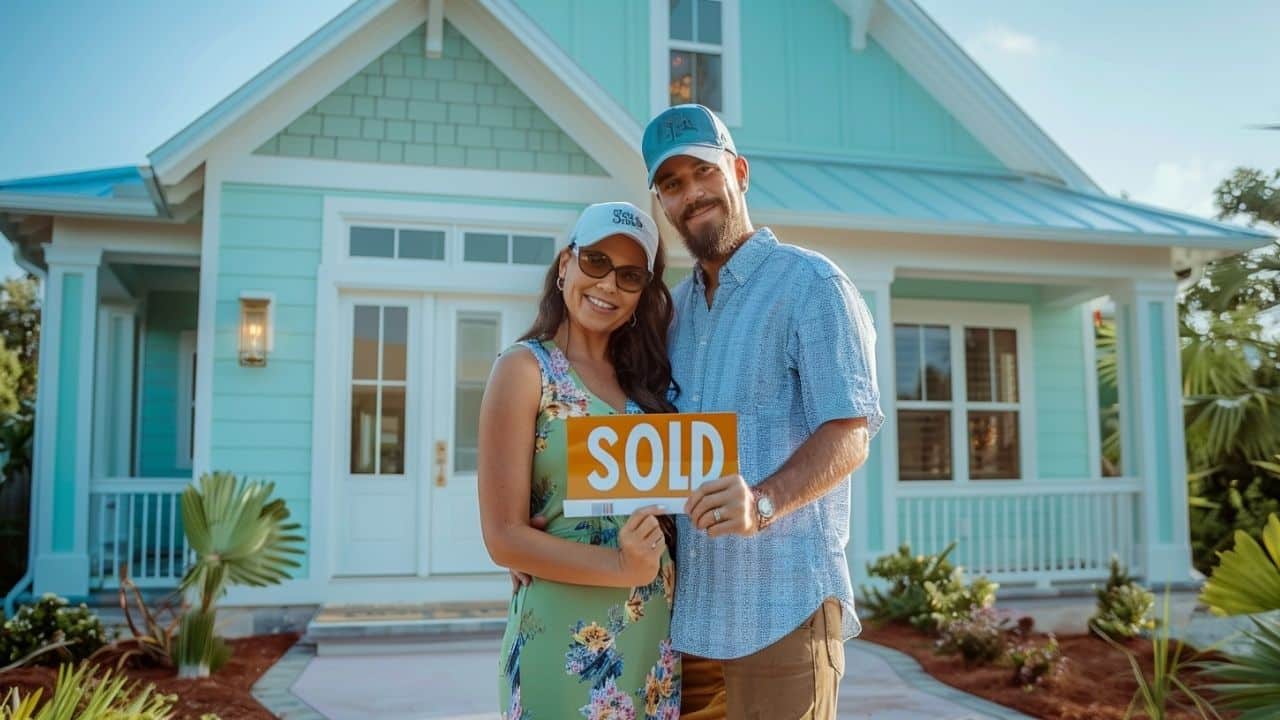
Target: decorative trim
(185, 402)
(206, 326)
(860, 14)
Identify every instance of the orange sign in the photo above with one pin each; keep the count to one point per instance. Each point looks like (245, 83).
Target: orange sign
(618, 463)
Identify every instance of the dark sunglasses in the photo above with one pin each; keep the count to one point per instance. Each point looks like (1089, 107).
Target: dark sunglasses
(596, 264)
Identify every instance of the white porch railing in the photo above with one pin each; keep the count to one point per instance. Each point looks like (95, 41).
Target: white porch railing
(137, 521)
(1036, 532)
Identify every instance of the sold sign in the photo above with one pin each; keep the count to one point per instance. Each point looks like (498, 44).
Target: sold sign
(619, 463)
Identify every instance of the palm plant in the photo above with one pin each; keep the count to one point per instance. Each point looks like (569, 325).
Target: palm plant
(1248, 581)
(240, 536)
(81, 695)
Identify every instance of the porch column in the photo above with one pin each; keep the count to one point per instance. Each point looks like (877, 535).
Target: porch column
(64, 414)
(873, 527)
(1155, 446)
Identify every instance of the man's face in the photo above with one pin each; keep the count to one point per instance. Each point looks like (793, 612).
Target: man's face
(704, 201)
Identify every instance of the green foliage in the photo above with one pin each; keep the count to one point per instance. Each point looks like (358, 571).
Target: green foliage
(925, 590)
(240, 537)
(82, 695)
(1250, 683)
(151, 644)
(1251, 193)
(1124, 606)
(50, 621)
(1165, 691)
(1247, 579)
(1035, 664)
(979, 637)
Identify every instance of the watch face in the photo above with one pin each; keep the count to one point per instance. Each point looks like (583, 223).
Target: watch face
(765, 507)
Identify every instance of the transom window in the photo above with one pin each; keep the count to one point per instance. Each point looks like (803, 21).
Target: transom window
(696, 54)
(508, 248)
(958, 376)
(402, 243)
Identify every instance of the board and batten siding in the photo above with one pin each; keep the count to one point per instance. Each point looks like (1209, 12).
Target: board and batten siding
(168, 315)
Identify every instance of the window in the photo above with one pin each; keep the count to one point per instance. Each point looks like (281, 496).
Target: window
(477, 347)
(379, 360)
(508, 249)
(695, 51)
(400, 243)
(958, 376)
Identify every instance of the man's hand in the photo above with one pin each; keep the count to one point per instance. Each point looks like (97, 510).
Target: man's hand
(723, 507)
(519, 579)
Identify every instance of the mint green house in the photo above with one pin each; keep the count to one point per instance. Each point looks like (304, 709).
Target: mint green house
(308, 285)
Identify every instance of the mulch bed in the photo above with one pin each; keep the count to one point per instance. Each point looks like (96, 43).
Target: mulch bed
(225, 694)
(1096, 684)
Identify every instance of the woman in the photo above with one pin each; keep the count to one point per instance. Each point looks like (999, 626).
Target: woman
(590, 637)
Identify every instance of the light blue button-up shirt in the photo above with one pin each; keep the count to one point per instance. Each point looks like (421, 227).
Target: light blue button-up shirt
(787, 344)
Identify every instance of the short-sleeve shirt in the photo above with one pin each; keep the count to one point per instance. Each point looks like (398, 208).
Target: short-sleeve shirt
(788, 344)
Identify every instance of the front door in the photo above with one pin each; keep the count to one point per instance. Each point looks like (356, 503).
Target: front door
(471, 333)
(380, 491)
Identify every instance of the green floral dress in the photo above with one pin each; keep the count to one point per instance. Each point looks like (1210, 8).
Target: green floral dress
(576, 650)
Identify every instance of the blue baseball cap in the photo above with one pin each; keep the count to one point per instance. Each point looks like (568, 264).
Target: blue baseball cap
(684, 130)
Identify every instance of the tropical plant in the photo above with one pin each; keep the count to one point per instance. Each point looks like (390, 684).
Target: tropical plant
(1247, 581)
(925, 590)
(50, 630)
(979, 638)
(1124, 606)
(82, 695)
(240, 536)
(1158, 695)
(154, 642)
(1035, 664)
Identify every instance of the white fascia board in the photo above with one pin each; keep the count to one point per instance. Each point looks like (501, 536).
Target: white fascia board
(837, 221)
(29, 203)
(184, 152)
(912, 38)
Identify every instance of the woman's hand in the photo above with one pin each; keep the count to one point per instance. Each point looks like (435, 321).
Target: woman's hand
(640, 546)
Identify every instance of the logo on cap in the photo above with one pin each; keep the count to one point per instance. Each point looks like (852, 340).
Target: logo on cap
(676, 126)
(623, 217)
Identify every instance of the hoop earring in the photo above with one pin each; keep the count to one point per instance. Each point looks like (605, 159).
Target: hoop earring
(560, 284)
(633, 321)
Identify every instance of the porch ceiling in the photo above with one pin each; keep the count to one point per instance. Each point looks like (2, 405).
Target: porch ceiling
(821, 192)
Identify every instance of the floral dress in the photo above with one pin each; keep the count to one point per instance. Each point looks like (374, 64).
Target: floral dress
(576, 650)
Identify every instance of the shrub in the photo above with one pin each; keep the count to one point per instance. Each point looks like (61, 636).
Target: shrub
(1035, 664)
(925, 590)
(80, 695)
(979, 638)
(51, 620)
(1124, 606)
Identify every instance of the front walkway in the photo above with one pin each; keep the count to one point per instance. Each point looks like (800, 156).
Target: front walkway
(457, 680)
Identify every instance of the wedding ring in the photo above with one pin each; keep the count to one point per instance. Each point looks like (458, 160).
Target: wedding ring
(716, 514)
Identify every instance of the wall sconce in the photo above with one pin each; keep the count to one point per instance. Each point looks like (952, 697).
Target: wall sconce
(256, 328)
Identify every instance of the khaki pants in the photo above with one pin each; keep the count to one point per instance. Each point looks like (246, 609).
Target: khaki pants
(796, 678)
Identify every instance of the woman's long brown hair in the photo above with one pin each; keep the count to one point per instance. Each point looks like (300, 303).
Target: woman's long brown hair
(638, 353)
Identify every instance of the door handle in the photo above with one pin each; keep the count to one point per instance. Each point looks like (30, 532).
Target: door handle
(442, 458)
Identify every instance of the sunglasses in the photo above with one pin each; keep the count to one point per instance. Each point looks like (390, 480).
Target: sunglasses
(595, 264)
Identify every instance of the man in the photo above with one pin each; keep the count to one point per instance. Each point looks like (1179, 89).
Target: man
(780, 336)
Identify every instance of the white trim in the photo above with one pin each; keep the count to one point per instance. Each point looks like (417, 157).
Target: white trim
(434, 43)
(206, 326)
(185, 402)
(453, 182)
(120, 417)
(35, 203)
(877, 285)
(140, 364)
(861, 14)
(730, 51)
(957, 316)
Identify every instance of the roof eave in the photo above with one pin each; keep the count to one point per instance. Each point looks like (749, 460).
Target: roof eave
(47, 204)
(1244, 240)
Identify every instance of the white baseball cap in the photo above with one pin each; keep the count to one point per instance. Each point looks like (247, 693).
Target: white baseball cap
(601, 220)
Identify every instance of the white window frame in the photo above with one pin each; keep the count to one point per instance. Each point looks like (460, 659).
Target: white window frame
(730, 50)
(958, 316)
(185, 402)
(395, 247)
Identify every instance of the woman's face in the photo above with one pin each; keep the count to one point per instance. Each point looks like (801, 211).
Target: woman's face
(598, 304)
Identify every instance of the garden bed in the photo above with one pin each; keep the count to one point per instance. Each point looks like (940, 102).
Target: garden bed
(228, 693)
(1096, 684)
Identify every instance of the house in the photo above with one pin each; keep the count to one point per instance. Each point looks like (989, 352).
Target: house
(308, 285)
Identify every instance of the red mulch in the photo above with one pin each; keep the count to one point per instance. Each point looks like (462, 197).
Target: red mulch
(1096, 684)
(226, 694)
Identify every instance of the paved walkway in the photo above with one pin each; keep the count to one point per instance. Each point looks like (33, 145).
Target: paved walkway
(455, 680)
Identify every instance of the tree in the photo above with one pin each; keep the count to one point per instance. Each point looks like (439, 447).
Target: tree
(19, 335)
(1251, 193)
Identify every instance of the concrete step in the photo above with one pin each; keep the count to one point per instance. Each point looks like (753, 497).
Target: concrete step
(381, 629)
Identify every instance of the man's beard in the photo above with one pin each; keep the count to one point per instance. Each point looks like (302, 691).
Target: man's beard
(714, 241)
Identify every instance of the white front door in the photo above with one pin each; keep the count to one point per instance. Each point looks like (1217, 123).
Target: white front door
(470, 333)
(380, 487)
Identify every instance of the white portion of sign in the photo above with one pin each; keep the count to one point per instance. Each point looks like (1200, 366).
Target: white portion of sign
(622, 506)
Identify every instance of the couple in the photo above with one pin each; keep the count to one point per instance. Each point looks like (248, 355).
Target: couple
(754, 569)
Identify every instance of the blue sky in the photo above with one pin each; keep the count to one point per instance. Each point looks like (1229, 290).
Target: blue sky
(1151, 98)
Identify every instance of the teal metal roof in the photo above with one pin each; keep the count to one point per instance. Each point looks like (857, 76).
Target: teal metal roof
(832, 193)
(110, 182)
